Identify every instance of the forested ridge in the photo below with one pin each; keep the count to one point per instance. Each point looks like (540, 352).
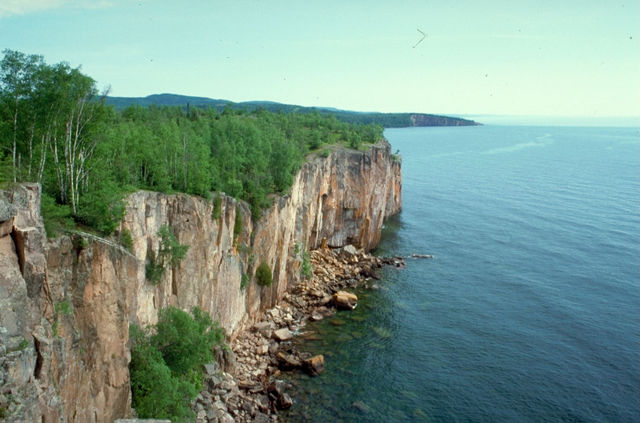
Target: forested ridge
(387, 120)
(56, 129)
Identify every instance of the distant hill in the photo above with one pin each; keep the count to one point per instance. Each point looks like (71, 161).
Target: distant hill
(388, 120)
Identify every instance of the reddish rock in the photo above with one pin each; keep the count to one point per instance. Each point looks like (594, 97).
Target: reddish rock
(287, 361)
(314, 365)
(344, 300)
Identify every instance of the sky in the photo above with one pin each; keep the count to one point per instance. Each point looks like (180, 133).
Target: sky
(578, 59)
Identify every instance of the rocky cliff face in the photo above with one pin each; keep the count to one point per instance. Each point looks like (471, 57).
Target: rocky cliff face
(66, 304)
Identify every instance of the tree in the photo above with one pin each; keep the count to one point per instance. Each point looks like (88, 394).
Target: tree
(17, 71)
(167, 361)
(73, 151)
(263, 275)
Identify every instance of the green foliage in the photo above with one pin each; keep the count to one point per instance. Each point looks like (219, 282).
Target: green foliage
(6, 171)
(64, 308)
(167, 361)
(101, 208)
(171, 253)
(217, 207)
(306, 270)
(20, 347)
(126, 240)
(263, 275)
(56, 130)
(388, 120)
(23, 344)
(325, 153)
(154, 269)
(244, 249)
(79, 243)
(186, 341)
(244, 281)
(156, 393)
(237, 226)
(57, 218)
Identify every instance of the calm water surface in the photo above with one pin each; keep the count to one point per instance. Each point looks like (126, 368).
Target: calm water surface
(530, 310)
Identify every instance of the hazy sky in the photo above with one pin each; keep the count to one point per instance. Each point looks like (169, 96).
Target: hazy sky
(555, 58)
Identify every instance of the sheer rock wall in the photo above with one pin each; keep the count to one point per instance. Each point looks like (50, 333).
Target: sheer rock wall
(66, 304)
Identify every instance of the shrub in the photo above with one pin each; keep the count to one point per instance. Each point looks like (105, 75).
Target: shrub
(263, 275)
(217, 207)
(237, 226)
(56, 217)
(126, 240)
(64, 308)
(102, 208)
(244, 281)
(244, 249)
(171, 252)
(153, 269)
(167, 360)
(306, 270)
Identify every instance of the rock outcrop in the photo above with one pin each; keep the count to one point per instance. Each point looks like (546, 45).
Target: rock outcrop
(66, 304)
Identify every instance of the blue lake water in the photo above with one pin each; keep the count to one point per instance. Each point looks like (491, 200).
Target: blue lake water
(530, 310)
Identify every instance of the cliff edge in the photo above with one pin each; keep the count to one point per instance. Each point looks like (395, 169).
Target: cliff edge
(66, 304)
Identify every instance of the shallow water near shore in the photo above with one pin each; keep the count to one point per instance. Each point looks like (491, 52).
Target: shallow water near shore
(531, 307)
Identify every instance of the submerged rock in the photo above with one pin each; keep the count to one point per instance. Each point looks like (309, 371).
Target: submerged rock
(287, 361)
(278, 396)
(314, 365)
(284, 402)
(361, 407)
(344, 300)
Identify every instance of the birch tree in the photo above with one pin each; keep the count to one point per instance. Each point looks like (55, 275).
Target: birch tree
(17, 71)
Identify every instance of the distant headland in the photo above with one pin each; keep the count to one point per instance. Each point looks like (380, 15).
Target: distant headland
(387, 120)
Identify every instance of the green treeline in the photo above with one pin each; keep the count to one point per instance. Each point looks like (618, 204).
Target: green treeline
(387, 120)
(55, 129)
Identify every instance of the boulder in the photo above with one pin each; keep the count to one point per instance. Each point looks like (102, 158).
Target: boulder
(284, 402)
(287, 361)
(277, 396)
(314, 365)
(283, 334)
(211, 369)
(344, 300)
(349, 250)
(264, 328)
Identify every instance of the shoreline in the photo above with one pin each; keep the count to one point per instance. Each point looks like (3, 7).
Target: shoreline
(246, 386)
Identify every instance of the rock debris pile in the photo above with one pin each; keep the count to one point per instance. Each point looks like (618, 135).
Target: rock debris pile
(247, 388)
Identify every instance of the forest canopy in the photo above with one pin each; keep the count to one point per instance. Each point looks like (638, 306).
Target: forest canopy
(56, 130)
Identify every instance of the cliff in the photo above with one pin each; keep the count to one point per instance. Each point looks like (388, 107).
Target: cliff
(66, 304)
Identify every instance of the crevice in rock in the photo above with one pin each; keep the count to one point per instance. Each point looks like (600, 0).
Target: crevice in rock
(174, 285)
(18, 243)
(37, 371)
